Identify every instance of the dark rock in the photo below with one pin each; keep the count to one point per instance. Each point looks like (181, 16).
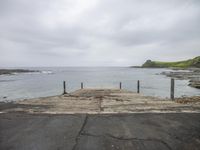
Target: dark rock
(193, 75)
(194, 83)
(11, 71)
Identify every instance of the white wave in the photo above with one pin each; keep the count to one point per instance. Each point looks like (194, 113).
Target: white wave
(47, 72)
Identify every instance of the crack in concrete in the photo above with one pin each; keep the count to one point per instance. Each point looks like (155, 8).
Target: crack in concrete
(80, 132)
(128, 139)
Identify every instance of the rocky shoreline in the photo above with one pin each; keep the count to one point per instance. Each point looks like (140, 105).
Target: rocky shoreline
(192, 74)
(13, 71)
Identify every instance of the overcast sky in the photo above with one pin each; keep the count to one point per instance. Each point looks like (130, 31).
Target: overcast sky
(97, 32)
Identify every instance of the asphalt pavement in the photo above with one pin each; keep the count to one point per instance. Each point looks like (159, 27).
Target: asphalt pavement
(137, 131)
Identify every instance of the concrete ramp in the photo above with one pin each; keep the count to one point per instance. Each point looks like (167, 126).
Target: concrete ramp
(100, 101)
(99, 119)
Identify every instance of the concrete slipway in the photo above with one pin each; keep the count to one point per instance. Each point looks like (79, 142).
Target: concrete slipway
(102, 119)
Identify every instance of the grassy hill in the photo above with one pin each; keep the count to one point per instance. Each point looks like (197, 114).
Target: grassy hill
(195, 62)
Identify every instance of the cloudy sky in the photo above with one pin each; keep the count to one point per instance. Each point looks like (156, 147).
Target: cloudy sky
(97, 32)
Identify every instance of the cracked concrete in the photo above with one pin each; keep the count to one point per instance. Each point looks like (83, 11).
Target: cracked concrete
(140, 131)
(130, 139)
(99, 120)
(150, 131)
(80, 133)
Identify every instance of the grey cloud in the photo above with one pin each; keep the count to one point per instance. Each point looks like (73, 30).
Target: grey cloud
(99, 32)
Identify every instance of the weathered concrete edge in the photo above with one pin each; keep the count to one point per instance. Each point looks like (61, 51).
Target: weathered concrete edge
(103, 113)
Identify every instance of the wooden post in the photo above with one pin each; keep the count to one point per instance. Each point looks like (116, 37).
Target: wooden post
(172, 89)
(138, 86)
(81, 85)
(120, 85)
(64, 88)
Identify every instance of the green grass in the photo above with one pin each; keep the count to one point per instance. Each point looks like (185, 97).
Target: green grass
(179, 64)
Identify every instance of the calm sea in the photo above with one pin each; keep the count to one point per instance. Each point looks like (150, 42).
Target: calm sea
(50, 82)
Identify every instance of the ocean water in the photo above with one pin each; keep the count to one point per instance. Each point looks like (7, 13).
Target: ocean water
(50, 82)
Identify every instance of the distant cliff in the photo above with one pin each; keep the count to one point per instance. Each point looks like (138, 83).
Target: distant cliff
(195, 62)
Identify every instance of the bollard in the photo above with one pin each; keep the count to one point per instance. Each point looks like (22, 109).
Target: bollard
(64, 88)
(120, 85)
(81, 85)
(172, 89)
(138, 86)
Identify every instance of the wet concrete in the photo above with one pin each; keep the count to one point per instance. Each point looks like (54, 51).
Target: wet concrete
(146, 131)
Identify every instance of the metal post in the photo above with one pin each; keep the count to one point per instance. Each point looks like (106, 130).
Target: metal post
(120, 85)
(64, 88)
(172, 89)
(138, 86)
(81, 85)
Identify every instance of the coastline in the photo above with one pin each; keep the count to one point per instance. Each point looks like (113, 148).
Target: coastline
(11, 93)
(13, 71)
(190, 74)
